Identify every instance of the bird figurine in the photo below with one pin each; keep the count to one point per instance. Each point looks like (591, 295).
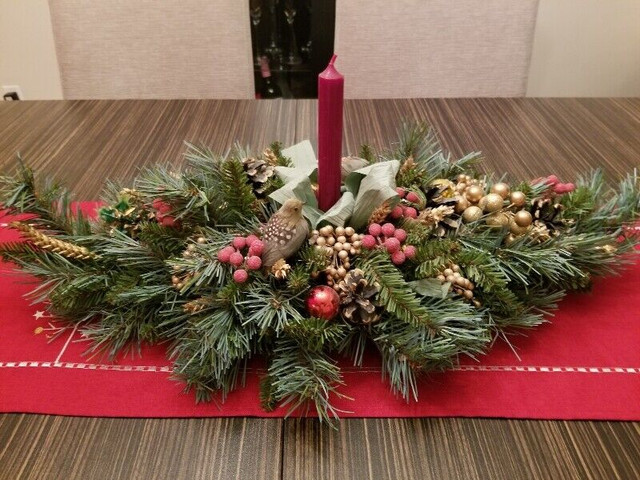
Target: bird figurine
(284, 233)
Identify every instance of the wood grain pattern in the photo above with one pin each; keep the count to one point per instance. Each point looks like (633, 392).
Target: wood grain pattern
(85, 142)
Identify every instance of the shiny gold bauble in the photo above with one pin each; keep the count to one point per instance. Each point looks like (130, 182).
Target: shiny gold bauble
(491, 203)
(523, 218)
(501, 189)
(509, 239)
(518, 198)
(447, 188)
(497, 220)
(471, 214)
(517, 229)
(474, 193)
(461, 204)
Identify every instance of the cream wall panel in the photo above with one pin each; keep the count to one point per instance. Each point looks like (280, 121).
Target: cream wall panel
(27, 52)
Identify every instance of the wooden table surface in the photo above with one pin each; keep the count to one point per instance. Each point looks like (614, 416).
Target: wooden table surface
(84, 142)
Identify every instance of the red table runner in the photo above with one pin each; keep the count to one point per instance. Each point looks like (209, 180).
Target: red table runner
(583, 365)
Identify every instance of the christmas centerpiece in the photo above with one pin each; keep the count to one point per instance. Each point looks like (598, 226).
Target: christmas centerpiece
(302, 261)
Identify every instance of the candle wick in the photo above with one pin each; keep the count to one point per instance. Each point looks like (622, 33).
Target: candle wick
(333, 59)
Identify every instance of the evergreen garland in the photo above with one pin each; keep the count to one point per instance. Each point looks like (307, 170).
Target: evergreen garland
(177, 258)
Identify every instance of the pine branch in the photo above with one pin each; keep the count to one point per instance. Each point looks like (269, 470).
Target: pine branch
(395, 295)
(301, 378)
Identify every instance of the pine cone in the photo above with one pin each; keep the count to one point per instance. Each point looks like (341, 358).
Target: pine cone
(280, 269)
(357, 298)
(270, 157)
(544, 210)
(259, 171)
(380, 213)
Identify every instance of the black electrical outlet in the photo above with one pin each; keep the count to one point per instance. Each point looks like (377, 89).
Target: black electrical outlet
(11, 96)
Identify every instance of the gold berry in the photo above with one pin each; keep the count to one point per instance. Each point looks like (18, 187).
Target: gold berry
(501, 189)
(497, 220)
(471, 214)
(517, 229)
(461, 204)
(492, 203)
(518, 199)
(523, 218)
(474, 193)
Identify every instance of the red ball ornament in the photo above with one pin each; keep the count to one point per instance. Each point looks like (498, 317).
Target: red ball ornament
(323, 302)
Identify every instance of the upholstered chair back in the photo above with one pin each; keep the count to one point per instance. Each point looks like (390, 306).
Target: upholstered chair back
(153, 48)
(434, 48)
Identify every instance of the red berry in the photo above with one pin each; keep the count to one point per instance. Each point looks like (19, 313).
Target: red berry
(236, 259)
(240, 276)
(410, 251)
(368, 241)
(169, 221)
(401, 192)
(225, 254)
(256, 248)
(398, 257)
(400, 234)
(250, 239)
(392, 244)
(388, 229)
(239, 242)
(254, 263)
(570, 187)
(552, 180)
(159, 217)
(396, 212)
(410, 212)
(412, 197)
(559, 188)
(375, 229)
(157, 203)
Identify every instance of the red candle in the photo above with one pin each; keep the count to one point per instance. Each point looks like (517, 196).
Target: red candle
(330, 99)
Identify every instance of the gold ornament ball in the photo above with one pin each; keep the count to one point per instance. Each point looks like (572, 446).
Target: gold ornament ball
(349, 231)
(461, 204)
(516, 229)
(201, 240)
(491, 203)
(501, 189)
(471, 214)
(474, 193)
(339, 231)
(518, 199)
(523, 218)
(497, 220)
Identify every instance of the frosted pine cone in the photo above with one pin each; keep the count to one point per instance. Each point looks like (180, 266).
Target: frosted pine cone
(259, 171)
(357, 298)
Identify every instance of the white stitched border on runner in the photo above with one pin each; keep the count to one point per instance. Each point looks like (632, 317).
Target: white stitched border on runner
(460, 368)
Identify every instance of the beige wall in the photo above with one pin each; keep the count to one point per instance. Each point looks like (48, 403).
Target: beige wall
(581, 48)
(27, 53)
(586, 48)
